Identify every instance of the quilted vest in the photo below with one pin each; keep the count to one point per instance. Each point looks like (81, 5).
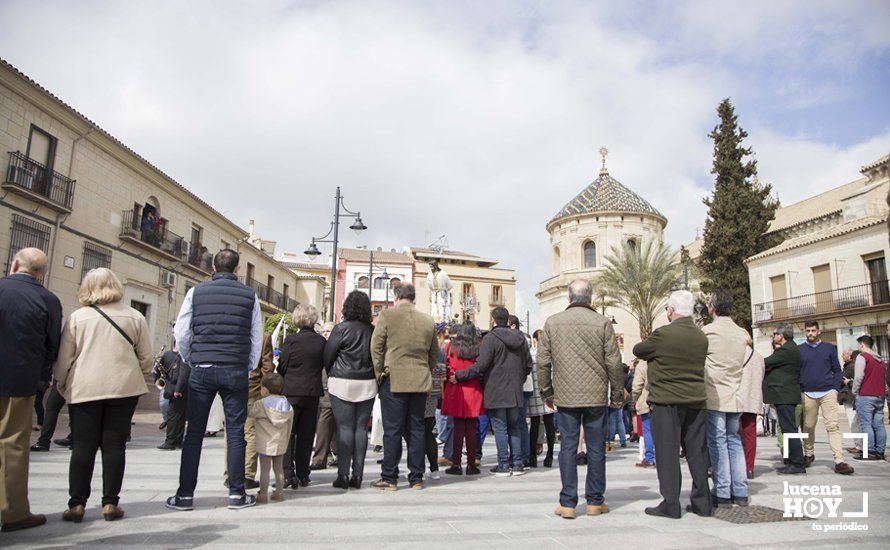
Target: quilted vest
(222, 315)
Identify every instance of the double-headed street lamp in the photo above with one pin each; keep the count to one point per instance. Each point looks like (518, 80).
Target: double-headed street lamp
(358, 226)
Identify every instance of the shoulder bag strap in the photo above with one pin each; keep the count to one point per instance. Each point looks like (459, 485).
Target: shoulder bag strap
(116, 326)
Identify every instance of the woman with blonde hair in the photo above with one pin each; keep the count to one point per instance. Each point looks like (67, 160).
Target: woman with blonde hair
(301, 363)
(104, 356)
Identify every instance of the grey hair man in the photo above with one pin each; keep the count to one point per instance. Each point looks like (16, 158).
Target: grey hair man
(579, 370)
(30, 330)
(676, 354)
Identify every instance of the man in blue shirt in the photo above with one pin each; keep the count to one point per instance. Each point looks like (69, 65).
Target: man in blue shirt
(219, 334)
(820, 380)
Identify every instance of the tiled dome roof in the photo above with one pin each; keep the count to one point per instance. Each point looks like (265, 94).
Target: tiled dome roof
(606, 194)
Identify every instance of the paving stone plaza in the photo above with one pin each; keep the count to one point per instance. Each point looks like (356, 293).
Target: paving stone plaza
(481, 512)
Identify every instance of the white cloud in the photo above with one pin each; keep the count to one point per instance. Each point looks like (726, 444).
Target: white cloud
(474, 120)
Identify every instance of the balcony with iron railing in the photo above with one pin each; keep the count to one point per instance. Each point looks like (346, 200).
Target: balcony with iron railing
(269, 295)
(199, 257)
(152, 236)
(847, 300)
(33, 180)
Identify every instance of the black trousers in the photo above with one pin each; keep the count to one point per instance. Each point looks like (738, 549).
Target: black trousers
(550, 430)
(430, 447)
(38, 406)
(54, 404)
(176, 420)
(788, 425)
(96, 425)
(672, 424)
(302, 435)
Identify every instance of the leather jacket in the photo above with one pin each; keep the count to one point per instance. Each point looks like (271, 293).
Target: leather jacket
(347, 353)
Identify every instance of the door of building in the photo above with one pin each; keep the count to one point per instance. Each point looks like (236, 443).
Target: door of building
(877, 276)
(822, 288)
(780, 296)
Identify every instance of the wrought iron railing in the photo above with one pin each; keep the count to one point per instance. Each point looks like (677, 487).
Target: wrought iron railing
(28, 174)
(820, 303)
(200, 257)
(267, 294)
(152, 233)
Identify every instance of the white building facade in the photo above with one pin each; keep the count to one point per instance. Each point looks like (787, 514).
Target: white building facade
(830, 266)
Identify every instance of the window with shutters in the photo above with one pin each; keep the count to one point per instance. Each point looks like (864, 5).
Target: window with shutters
(94, 256)
(27, 233)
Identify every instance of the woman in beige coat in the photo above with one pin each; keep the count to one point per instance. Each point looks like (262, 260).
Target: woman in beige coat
(104, 357)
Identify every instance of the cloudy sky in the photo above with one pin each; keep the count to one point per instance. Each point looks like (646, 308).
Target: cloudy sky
(476, 120)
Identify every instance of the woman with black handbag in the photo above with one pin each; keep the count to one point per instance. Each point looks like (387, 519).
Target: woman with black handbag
(104, 356)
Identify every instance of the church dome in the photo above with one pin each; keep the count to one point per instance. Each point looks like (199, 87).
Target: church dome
(606, 195)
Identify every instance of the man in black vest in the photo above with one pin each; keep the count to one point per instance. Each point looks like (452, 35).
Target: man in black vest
(219, 333)
(30, 329)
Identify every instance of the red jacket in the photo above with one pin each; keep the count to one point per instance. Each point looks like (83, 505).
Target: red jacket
(462, 400)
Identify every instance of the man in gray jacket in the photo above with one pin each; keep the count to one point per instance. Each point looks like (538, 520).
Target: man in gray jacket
(579, 370)
(503, 363)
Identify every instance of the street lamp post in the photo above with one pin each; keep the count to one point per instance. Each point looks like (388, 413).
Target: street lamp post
(383, 276)
(358, 226)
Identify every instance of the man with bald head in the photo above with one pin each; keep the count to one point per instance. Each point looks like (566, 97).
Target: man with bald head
(579, 371)
(30, 329)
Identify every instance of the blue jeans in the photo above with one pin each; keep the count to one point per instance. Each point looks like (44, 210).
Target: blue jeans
(616, 425)
(727, 455)
(649, 452)
(506, 436)
(871, 419)
(523, 427)
(204, 383)
(445, 427)
(594, 420)
(483, 431)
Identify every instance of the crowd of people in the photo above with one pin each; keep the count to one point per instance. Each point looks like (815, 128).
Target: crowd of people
(690, 393)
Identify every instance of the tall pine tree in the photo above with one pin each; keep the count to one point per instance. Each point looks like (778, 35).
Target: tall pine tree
(739, 213)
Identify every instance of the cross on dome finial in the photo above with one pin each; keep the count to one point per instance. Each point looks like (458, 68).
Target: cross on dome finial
(603, 153)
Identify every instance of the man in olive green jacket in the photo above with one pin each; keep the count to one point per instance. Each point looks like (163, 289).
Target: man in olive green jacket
(676, 354)
(404, 351)
(781, 387)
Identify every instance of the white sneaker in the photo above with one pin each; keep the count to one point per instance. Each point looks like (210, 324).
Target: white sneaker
(435, 475)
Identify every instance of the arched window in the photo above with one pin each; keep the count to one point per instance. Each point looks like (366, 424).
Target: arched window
(632, 245)
(589, 254)
(362, 282)
(556, 262)
(379, 283)
(394, 282)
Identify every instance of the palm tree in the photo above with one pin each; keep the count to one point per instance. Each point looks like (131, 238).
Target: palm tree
(639, 280)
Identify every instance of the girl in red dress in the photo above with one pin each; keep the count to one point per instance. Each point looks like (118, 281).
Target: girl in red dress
(463, 401)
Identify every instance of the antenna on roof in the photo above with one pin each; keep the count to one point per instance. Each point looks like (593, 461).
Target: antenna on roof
(440, 244)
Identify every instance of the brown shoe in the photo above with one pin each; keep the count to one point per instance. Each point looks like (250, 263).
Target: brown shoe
(112, 512)
(597, 509)
(277, 495)
(808, 461)
(843, 468)
(444, 461)
(33, 520)
(417, 486)
(853, 450)
(644, 464)
(262, 498)
(384, 485)
(565, 512)
(75, 514)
